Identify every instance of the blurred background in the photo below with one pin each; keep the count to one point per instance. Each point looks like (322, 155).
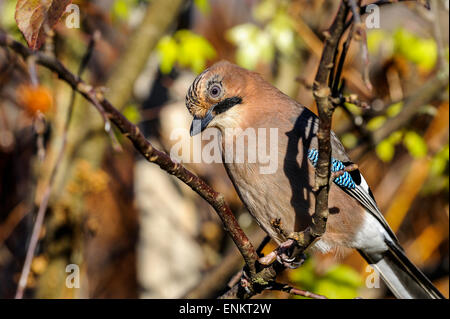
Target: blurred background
(136, 232)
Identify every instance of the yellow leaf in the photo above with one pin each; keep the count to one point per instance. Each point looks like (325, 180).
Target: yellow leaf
(415, 144)
(376, 123)
(394, 109)
(385, 150)
(167, 49)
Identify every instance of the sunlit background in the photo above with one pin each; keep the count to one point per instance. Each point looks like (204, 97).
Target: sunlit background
(135, 231)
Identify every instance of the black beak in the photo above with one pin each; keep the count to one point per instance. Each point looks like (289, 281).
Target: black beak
(198, 125)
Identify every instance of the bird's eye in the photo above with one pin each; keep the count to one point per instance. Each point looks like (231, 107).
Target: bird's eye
(215, 91)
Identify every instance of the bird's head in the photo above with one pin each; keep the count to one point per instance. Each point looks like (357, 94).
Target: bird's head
(215, 96)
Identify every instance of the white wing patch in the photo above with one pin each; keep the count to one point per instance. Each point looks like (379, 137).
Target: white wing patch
(364, 184)
(363, 194)
(370, 236)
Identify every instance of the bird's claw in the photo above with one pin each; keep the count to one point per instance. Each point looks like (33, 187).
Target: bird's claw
(283, 255)
(288, 262)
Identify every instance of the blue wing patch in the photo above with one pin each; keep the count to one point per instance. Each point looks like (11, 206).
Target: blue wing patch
(345, 180)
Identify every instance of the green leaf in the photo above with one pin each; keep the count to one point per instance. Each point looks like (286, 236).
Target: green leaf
(242, 32)
(131, 112)
(354, 109)
(265, 10)
(395, 137)
(415, 144)
(281, 28)
(253, 45)
(344, 275)
(423, 52)
(340, 281)
(378, 39)
(194, 50)
(8, 9)
(203, 5)
(305, 275)
(385, 150)
(185, 48)
(349, 140)
(335, 291)
(376, 122)
(439, 163)
(167, 49)
(394, 109)
(121, 9)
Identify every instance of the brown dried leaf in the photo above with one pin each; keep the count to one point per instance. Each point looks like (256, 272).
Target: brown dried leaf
(34, 16)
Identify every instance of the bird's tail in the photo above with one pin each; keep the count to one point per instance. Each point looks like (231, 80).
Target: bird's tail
(404, 279)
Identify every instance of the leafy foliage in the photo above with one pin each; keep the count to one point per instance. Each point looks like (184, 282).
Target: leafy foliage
(439, 173)
(256, 44)
(339, 281)
(422, 52)
(415, 144)
(376, 122)
(440, 162)
(185, 48)
(203, 5)
(403, 43)
(131, 112)
(121, 8)
(386, 148)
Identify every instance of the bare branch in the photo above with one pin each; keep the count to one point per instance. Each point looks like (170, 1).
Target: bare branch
(261, 277)
(143, 146)
(47, 192)
(296, 291)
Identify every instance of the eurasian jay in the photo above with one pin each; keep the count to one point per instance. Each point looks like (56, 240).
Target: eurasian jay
(227, 96)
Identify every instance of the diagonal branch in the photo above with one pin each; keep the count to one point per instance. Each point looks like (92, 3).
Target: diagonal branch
(143, 146)
(261, 277)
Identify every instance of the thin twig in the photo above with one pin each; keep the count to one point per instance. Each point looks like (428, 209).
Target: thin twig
(358, 28)
(143, 146)
(340, 66)
(261, 278)
(295, 291)
(14, 218)
(47, 192)
(31, 63)
(363, 9)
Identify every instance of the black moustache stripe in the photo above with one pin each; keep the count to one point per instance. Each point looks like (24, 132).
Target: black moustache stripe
(227, 104)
